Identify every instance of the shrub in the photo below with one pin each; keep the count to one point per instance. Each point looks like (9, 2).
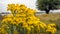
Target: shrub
(23, 21)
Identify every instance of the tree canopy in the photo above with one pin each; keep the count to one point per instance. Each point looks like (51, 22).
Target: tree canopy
(48, 5)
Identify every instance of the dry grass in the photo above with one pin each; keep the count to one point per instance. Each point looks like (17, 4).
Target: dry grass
(50, 17)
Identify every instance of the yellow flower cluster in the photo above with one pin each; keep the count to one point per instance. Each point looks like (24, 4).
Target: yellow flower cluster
(3, 29)
(20, 13)
(16, 8)
(51, 28)
(25, 18)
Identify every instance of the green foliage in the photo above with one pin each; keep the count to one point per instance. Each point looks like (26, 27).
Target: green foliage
(48, 4)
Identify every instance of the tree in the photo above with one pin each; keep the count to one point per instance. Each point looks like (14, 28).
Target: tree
(47, 5)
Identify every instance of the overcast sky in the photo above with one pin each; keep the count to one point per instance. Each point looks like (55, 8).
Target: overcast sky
(29, 3)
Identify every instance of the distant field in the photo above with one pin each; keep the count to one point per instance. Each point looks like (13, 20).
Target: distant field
(52, 17)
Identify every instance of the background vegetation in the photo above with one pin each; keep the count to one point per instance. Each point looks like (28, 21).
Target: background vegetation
(51, 18)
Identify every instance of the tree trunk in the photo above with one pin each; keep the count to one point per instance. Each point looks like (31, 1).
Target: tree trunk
(47, 11)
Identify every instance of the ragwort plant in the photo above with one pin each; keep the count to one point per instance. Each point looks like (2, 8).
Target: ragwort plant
(23, 21)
